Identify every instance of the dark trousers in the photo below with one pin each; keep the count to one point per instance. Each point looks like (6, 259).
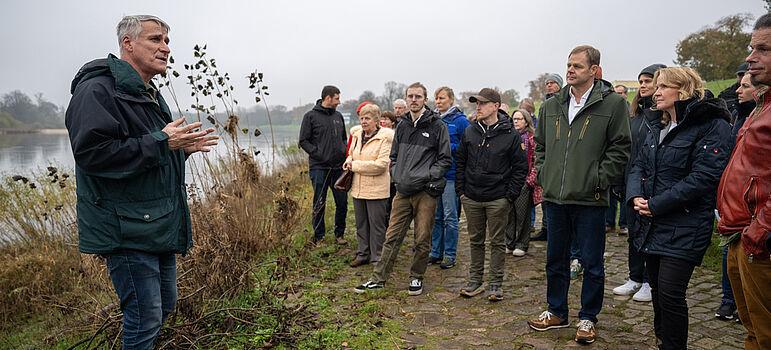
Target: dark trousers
(518, 227)
(323, 179)
(610, 214)
(669, 278)
(370, 227)
(728, 293)
(588, 225)
(637, 270)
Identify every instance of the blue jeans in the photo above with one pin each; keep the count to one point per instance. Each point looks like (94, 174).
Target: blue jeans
(588, 224)
(728, 293)
(610, 214)
(146, 285)
(323, 179)
(444, 237)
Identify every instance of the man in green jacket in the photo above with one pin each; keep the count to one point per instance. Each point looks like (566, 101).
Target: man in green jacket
(130, 173)
(582, 145)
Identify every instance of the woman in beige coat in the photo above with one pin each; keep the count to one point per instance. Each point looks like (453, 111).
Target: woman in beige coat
(368, 158)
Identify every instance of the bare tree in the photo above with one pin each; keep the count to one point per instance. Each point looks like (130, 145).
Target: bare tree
(392, 91)
(537, 88)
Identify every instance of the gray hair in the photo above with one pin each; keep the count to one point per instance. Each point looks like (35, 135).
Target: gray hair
(132, 26)
(400, 101)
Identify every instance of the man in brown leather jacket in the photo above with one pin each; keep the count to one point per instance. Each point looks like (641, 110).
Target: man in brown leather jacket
(744, 203)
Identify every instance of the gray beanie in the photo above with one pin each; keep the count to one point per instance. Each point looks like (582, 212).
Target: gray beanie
(651, 70)
(555, 78)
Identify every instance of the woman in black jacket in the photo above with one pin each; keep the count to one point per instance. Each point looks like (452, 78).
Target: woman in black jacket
(640, 124)
(673, 186)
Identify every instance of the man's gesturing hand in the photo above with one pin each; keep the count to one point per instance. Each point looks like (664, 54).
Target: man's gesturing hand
(184, 137)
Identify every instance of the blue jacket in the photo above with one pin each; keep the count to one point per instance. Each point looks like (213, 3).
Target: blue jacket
(456, 123)
(679, 176)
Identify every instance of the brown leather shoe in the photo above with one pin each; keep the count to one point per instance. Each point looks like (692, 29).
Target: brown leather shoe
(585, 333)
(341, 241)
(320, 244)
(358, 262)
(547, 320)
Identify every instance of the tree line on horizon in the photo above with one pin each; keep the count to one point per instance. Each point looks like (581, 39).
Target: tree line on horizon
(19, 111)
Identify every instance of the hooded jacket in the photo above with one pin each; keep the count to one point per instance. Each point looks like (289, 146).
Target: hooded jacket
(322, 136)
(738, 117)
(456, 123)
(491, 161)
(678, 175)
(130, 186)
(577, 162)
(420, 154)
(744, 196)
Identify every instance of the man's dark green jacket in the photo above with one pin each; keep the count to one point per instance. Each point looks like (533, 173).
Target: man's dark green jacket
(130, 187)
(577, 162)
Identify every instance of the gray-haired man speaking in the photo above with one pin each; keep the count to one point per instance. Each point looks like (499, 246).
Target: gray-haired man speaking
(130, 172)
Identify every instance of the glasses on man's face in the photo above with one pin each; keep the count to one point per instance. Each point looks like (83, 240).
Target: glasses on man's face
(414, 97)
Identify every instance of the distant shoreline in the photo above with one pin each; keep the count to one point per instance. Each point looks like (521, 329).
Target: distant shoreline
(34, 131)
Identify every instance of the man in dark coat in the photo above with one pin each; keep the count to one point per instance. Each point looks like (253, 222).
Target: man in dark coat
(420, 156)
(491, 169)
(130, 173)
(323, 137)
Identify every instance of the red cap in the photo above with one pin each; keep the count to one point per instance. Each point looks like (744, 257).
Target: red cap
(362, 105)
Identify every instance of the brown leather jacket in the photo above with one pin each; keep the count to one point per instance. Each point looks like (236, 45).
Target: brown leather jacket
(743, 199)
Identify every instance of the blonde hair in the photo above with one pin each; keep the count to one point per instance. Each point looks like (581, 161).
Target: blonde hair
(447, 90)
(372, 109)
(685, 80)
(527, 104)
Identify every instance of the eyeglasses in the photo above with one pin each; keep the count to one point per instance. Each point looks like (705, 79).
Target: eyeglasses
(414, 97)
(519, 118)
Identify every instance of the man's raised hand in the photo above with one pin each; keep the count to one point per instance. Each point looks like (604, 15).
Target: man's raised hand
(184, 136)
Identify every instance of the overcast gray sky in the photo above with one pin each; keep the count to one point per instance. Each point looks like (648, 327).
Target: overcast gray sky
(356, 45)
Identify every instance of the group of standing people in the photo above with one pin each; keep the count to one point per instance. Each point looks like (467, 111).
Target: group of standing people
(684, 155)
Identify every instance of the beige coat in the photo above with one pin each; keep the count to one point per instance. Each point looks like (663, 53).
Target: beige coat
(371, 179)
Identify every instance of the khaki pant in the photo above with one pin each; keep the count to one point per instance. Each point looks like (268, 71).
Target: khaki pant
(422, 208)
(479, 216)
(751, 284)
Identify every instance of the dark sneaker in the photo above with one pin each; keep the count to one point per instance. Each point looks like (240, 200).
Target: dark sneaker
(358, 262)
(726, 311)
(495, 293)
(585, 333)
(448, 263)
(369, 285)
(432, 260)
(415, 288)
(540, 236)
(547, 320)
(471, 289)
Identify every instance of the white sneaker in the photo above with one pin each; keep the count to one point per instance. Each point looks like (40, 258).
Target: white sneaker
(508, 251)
(518, 252)
(630, 287)
(644, 294)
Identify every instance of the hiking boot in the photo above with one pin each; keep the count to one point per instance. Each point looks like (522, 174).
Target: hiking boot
(540, 236)
(320, 244)
(447, 264)
(358, 262)
(341, 241)
(585, 333)
(644, 294)
(471, 289)
(623, 231)
(547, 320)
(432, 260)
(630, 287)
(369, 285)
(726, 311)
(575, 269)
(495, 293)
(518, 252)
(415, 288)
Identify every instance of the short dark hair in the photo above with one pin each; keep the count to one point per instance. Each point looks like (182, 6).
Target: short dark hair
(591, 53)
(330, 91)
(625, 88)
(417, 85)
(763, 22)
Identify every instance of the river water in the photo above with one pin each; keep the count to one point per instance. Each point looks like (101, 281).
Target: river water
(24, 154)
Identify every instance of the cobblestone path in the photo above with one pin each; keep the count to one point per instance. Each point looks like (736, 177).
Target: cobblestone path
(441, 319)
